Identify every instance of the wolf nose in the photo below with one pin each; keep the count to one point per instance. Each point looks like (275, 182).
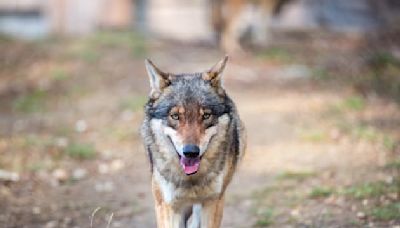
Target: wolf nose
(191, 151)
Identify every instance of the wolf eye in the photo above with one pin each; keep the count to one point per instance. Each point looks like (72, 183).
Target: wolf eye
(175, 116)
(206, 116)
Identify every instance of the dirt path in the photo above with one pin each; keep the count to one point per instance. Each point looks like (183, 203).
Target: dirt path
(300, 156)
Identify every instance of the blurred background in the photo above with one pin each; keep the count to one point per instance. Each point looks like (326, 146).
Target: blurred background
(317, 83)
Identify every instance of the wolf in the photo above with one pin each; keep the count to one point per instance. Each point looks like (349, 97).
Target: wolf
(231, 19)
(194, 139)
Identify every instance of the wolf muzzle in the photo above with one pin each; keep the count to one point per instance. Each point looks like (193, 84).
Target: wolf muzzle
(190, 161)
(191, 151)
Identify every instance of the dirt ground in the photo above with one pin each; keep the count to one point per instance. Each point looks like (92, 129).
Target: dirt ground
(319, 153)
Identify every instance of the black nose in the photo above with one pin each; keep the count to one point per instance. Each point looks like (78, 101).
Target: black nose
(191, 151)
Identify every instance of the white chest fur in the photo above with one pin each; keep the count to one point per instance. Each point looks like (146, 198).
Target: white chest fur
(177, 195)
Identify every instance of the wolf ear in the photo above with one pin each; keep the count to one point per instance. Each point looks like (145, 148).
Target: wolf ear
(158, 79)
(214, 75)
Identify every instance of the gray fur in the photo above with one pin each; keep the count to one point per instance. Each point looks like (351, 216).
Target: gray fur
(223, 152)
(186, 89)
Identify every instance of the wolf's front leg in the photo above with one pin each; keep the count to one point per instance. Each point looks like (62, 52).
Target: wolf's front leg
(167, 216)
(211, 213)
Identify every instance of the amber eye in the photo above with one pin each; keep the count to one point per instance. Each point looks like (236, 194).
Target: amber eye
(206, 116)
(175, 116)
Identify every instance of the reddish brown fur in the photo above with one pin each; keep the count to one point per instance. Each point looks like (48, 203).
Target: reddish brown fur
(190, 125)
(226, 13)
(173, 191)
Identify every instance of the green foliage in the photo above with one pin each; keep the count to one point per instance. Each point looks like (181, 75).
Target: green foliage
(31, 102)
(383, 59)
(135, 103)
(292, 175)
(387, 212)
(37, 166)
(366, 132)
(89, 55)
(31, 141)
(59, 74)
(393, 165)
(264, 193)
(83, 49)
(130, 40)
(276, 54)
(385, 71)
(320, 73)
(320, 192)
(354, 103)
(121, 133)
(372, 134)
(313, 135)
(389, 143)
(372, 189)
(361, 131)
(92, 48)
(81, 151)
(265, 218)
(5, 39)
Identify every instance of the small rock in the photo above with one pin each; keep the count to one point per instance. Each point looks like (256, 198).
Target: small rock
(103, 168)
(295, 213)
(365, 202)
(79, 174)
(8, 176)
(390, 179)
(361, 215)
(62, 142)
(45, 176)
(60, 175)
(116, 224)
(51, 224)
(81, 126)
(66, 222)
(107, 186)
(107, 154)
(125, 212)
(393, 196)
(36, 210)
(117, 164)
(331, 200)
(396, 53)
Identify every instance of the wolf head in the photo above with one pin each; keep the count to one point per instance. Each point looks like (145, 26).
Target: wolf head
(187, 111)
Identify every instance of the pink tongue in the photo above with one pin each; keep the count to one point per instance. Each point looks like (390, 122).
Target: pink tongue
(190, 165)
